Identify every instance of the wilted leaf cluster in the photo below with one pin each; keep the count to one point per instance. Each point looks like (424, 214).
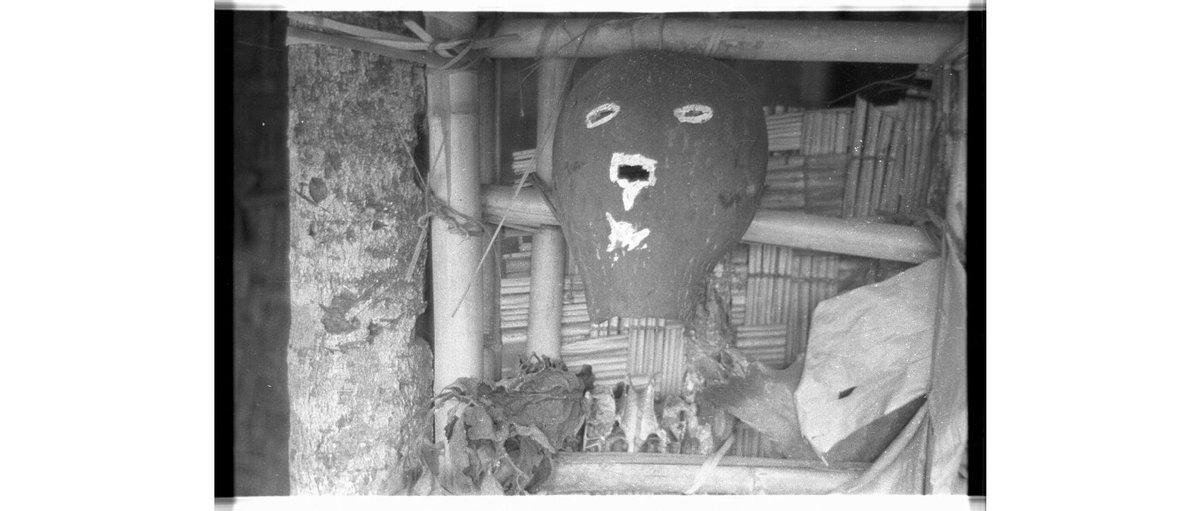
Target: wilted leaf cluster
(499, 437)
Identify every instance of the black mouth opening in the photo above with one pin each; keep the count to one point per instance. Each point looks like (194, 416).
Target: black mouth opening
(633, 173)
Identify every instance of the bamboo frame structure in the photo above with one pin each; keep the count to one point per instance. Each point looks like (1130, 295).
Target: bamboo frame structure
(748, 39)
(453, 100)
(790, 229)
(549, 246)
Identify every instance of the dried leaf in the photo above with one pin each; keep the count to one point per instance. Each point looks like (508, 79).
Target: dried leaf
(534, 434)
(490, 486)
(540, 474)
(424, 485)
(479, 424)
(455, 461)
(675, 416)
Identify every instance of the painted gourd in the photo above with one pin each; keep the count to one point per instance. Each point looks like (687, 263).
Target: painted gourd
(659, 164)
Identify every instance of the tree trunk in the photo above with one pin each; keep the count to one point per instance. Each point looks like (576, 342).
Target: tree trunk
(360, 380)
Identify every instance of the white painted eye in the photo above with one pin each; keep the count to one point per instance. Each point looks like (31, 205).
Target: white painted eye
(602, 114)
(693, 114)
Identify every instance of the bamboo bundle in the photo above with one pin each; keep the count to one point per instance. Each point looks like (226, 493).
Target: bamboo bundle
(909, 155)
(892, 161)
(773, 278)
(765, 343)
(843, 125)
(825, 140)
(917, 137)
(850, 197)
(608, 357)
(880, 160)
(524, 162)
(746, 440)
(866, 175)
(805, 292)
(768, 299)
(828, 133)
(818, 133)
(925, 162)
(831, 276)
(784, 131)
(754, 284)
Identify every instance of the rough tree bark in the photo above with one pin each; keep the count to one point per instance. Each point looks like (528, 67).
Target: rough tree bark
(360, 380)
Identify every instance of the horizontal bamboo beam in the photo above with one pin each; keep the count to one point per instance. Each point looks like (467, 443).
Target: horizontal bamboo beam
(750, 39)
(297, 35)
(675, 473)
(785, 228)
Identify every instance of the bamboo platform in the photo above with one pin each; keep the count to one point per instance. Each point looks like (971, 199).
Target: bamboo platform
(582, 473)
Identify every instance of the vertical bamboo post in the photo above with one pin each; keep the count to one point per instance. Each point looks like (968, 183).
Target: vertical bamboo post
(454, 178)
(549, 247)
(850, 195)
(489, 273)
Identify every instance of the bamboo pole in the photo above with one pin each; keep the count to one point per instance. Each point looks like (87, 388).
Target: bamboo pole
(804, 293)
(744, 39)
(862, 203)
(881, 163)
(927, 156)
(454, 179)
(785, 228)
(849, 197)
(895, 165)
(910, 157)
(489, 274)
(796, 332)
(549, 246)
(772, 302)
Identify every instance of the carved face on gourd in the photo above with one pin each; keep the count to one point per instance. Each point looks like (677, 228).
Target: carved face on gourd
(659, 163)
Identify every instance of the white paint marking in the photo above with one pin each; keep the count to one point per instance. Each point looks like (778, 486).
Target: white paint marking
(602, 114)
(630, 189)
(622, 234)
(694, 113)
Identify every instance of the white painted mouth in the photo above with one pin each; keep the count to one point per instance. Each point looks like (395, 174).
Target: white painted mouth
(623, 235)
(694, 113)
(630, 188)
